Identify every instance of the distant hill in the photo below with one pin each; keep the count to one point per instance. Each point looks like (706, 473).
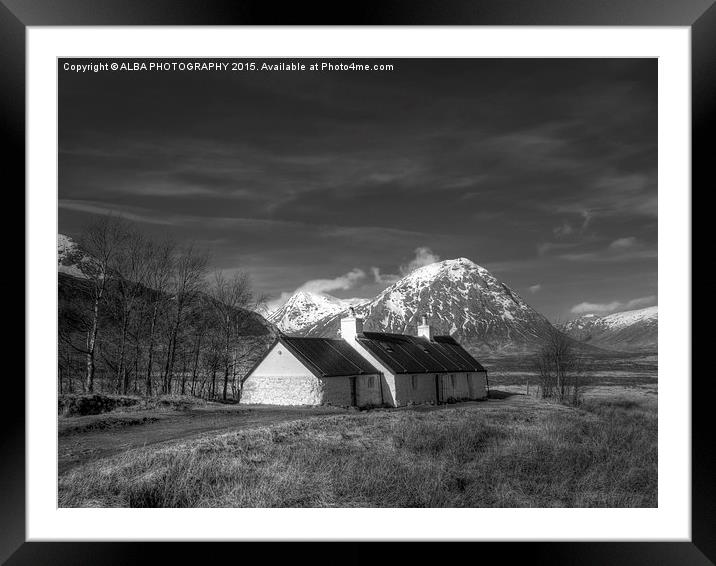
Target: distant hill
(73, 287)
(304, 309)
(627, 331)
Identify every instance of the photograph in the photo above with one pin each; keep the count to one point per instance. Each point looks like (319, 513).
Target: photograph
(357, 283)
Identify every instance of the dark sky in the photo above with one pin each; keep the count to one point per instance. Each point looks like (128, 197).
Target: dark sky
(544, 171)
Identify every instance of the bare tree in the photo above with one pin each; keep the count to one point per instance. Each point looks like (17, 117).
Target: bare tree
(232, 299)
(131, 268)
(185, 285)
(101, 242)
(147, 302)
(160, 257)
(560, 364)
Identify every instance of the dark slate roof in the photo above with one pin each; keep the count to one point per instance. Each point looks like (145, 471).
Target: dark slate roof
(327, 357)
(412, 354)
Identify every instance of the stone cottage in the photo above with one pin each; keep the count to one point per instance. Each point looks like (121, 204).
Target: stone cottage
(365, 369)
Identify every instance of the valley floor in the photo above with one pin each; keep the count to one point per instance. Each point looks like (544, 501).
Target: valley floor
(511, 451)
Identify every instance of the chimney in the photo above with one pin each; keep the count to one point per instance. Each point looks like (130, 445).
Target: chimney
(424, 329)
(351, 326)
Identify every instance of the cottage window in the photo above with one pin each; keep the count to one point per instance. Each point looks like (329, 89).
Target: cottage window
(452, 380)
(414, 380)
(371, 383)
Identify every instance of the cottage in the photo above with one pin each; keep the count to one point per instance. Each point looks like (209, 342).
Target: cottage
(366, 368)
(312, 371)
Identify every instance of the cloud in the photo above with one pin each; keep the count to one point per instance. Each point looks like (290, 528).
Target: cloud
(596, 308)
(134, 214)
(535, 288)
(546, 247)
(619, 250)
(623, 243)
(614, 306)
(564, 230)
(423, 256)
(383, 277)
(587, 218)
(613, 255)
(341, 283)
(322, 286)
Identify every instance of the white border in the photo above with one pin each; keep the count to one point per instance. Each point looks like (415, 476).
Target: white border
(671, 521)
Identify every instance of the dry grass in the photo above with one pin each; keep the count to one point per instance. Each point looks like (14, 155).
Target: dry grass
(601, 455)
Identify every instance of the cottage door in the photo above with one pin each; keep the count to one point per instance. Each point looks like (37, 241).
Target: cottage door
(438, 390)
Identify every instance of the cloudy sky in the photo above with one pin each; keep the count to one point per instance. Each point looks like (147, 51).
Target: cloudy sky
(544, 171)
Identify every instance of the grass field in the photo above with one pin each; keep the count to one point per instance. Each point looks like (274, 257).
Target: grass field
(511, 452)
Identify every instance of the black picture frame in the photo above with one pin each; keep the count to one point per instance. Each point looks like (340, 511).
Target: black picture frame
(17, 15)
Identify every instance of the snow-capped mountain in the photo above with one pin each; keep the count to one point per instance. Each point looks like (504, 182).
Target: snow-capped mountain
(305, 308)
(460, 298)
(627, 331)
(68, 256)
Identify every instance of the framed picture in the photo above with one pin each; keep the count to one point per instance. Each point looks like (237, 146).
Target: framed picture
(394, 278)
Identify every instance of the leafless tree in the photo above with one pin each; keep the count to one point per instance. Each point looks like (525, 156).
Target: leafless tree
(144, 304)
(160, 257)
(101, 242)
(185, 285)
(131, 268)
(560, 364)
(233, 299)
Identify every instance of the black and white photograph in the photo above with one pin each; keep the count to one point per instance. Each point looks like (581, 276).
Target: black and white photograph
(357, 283)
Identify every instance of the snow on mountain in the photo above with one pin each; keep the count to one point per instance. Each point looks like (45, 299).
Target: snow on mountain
(305, 308)
(627, 331)
(460, 298)
(68, 256)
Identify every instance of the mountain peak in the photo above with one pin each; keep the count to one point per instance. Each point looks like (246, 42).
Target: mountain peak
(306, 307)
(460, 298)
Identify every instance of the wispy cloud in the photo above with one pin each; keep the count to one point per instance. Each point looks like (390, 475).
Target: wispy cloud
(623, 243)
(133, 214)
(322, 287)
(423, 256)
(613, 306)
(535, 288)
(340, 283)
(383, 278)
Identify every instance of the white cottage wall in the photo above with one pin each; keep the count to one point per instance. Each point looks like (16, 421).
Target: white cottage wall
(281, 379)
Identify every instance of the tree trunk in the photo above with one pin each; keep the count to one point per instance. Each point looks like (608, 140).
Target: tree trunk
(196, 363)
(169, 373)
(91, 341)
(152, 326)
(183, 375)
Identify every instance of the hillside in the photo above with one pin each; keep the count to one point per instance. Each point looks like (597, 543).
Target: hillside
(627, 331)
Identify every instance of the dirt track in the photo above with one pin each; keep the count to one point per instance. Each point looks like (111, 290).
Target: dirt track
(82, 439)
